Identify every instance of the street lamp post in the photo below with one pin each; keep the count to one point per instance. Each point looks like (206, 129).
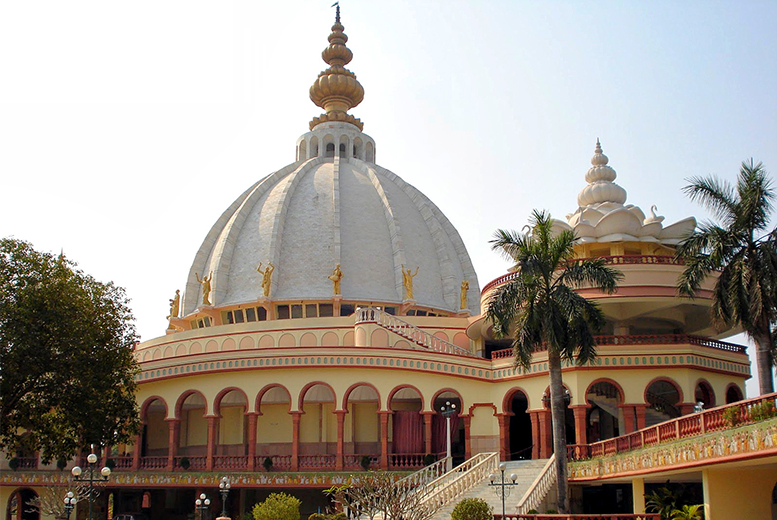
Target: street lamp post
(201, 505)
(224, 486)
(502, 489)
(91, 479)
(448, 411)
(70, 503)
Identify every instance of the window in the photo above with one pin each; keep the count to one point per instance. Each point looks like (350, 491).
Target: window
(325, 310)
(311, 310)
(283, 312)
(239, 316)
(296, 311)
(346, 309)
(251, 314)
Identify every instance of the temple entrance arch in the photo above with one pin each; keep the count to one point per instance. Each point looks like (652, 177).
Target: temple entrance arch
(155, 433)
(439, 426)
(663, 398)
(407, 427)
(274, 426)
(520, 427)
(231, 406)
(18, 508)
(361, 430)
(604, 419)
(318, 425)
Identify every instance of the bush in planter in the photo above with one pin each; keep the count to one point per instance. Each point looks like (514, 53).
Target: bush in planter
(365, 462)
(429, 459)
(732, 416)
(760, 412)
(14, 463)
(185, 463)
(110, 464)
(61, 464)
(278, 506)
(267, 463)
(472, 509)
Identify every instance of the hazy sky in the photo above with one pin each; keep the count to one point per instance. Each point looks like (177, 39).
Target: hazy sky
(126, 128)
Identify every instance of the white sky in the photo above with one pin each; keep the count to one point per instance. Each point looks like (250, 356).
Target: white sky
(126, 128)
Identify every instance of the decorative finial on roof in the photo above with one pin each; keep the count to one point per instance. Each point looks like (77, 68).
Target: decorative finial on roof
(337, 11)
(336, 90)
(600, 177)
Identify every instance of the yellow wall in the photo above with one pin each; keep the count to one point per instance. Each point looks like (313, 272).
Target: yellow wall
(739, 494)
(231, 425)
(157, 431)
(366, 422)
(274, 425)
(194, 430)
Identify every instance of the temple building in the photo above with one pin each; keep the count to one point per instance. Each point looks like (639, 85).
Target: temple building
(332, 311)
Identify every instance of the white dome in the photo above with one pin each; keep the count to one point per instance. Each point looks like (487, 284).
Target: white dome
(316, 213)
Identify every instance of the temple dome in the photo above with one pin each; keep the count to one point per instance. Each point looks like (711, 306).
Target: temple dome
(322, 211)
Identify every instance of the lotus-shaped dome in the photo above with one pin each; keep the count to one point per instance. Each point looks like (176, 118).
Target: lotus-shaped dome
(603, 216)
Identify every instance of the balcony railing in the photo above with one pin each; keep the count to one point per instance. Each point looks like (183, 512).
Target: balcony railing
(714, 419)
(646, 339)
(405, 461)
(608, 260)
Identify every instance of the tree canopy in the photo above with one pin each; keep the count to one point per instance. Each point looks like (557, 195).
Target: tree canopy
(541, 310)
(66, 364)
(743, 250)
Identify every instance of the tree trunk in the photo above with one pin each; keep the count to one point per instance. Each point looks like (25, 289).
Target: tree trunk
(763, 357)
(558, 418)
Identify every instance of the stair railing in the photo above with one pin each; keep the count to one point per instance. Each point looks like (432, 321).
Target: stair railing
(409, 331)
(425, 475)
(539, 489)
(462, 478)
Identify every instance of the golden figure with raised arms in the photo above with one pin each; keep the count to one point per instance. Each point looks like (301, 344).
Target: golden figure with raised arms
(175, 305)
(266, 278)
(407, 281)
(464, 289)
(205, 282)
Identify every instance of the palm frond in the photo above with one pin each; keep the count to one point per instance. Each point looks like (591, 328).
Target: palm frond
(717, 196)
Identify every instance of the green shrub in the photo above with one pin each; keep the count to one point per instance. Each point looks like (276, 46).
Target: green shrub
(532, 512)
(278, 506)
(472, 509)
(61, 464)
(267, 463)
(245, 515)
(429, 459)
(760, 412)
(317, 516)
(732, 416)
(185, 463)
(551, 512)
(365, 462)
(110, 464)
(694, 512)
(14, 463)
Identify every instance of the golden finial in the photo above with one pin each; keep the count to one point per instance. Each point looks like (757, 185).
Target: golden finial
(336, 90)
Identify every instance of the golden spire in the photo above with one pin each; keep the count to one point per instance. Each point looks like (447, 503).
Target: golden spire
(336, 90)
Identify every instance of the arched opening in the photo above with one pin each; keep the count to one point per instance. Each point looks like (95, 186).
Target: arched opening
(155, 433)
(193, 434)
(330, 149)
(19, 508)
(370, 152)
(704, 394)
(275, 428)
(733, 394)
(317, 428)
(313, 147)
(231, 409)
(663, 399)
(520, 434)
(302, 151)
(358, 148)
(604, 419)
(447, 399)
(362, 426)
(407, 428)
(342, 149)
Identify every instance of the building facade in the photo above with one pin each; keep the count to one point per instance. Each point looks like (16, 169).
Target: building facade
(333, 310)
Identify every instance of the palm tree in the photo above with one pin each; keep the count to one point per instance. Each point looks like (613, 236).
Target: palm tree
(542, 310)
(743, 251)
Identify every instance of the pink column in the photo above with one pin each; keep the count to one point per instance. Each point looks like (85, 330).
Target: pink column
(172, 442)
(340, 439)
(467, 438)
(546, 446)
(211, 442)
(581, 433)
(628, 417)
(252, 440)
(535, 435)
(295, 417)
(639, 409)
(384, 417)
(427, 431)
(504, 436)
(136, 452)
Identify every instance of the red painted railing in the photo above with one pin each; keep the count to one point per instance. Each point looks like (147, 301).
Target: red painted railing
(642, 516)
(153, 462)
(236, 462)
(318, 462)
(355, 461)
(123, 462)
(608, 260)
(647, 339)
(686, 426)
(27, 462)
(279, 462)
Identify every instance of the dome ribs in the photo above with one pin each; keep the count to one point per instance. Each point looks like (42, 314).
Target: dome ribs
(395, 232)
(336, 210)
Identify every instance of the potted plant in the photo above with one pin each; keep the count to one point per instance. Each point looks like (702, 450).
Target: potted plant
(185, 463)
(365, 462)
(267, 463)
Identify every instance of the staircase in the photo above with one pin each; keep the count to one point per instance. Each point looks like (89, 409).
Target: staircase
(419, 337)
(527, 472)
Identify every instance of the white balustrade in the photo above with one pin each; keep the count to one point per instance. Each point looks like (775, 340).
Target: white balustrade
(540, 488)
(409, 331)
(462, 478)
